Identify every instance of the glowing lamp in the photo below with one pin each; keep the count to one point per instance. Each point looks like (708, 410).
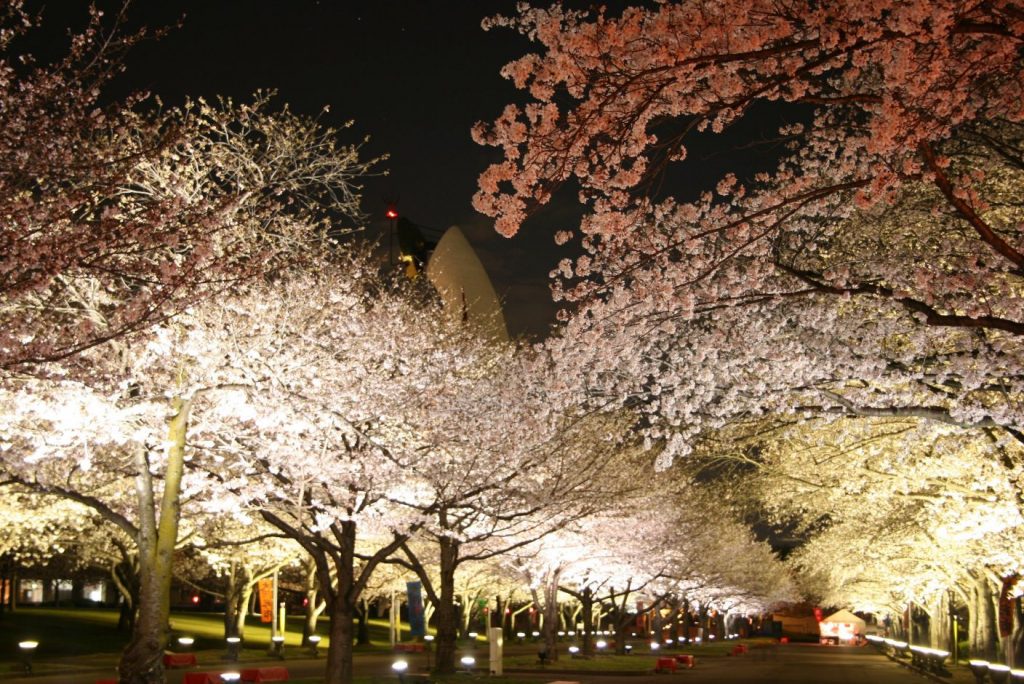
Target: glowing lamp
(400, 666)
(27, 648)
(574, 650)
(998, 673)
(468, 662)
(391, 214)
(979, 668)
(230, 676)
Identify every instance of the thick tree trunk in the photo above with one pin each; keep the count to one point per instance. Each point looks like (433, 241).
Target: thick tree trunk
(236, 600)
(446, 618)
(938, 622)
(550, 611)
(142, 660)
(339, 652)
(587, 604)
(984, 640)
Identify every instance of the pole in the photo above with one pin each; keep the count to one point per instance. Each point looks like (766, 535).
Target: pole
(393, 623)
(273, 607)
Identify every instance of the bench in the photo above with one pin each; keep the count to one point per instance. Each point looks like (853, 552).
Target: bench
(265, 674)
(179, 659)
(200, 678)
(411, 647)
(665, 665)
(687, 661)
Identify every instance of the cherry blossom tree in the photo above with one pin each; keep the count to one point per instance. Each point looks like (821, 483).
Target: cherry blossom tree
(504, 461)
(241, 553)
(877, 266)
(923, 511)
(338, 375)
(118, 215)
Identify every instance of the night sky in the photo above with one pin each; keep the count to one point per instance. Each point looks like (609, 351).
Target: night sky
(414, 75)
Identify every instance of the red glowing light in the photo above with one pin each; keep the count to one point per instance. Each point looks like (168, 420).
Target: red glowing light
(391, 214)
(195, 599)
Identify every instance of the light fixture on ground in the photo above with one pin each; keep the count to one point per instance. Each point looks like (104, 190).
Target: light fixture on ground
(999, 673)
(428, 641)
(468, 662)
(979, 668)
(629, 648)
(234, 643)
(277, 646)
(230, 676)
(186, 642)
(601, 645)
(400, 667)
(574, 651)
(28, 649)
(314, 644)
(655, 645)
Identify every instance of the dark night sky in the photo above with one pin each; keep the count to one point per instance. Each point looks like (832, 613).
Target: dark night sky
(415, 75)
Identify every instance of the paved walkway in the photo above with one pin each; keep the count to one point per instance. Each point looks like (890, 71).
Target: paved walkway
(789, 664)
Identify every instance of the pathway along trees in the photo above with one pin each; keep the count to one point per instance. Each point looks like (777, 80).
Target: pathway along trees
(897, 512)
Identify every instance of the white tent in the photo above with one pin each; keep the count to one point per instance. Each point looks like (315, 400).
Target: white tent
(842, 626)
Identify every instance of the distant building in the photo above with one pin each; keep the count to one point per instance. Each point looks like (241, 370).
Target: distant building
(461, 280)
(452, 266)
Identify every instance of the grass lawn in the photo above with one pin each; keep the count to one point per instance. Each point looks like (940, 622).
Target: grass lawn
(75, 638)
(88, 632)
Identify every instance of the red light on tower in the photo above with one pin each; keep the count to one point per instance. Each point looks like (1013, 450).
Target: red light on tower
(391, 213)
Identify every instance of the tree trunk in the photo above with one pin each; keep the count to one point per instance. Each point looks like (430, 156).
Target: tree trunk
(984, 641)
(363, 632)
(446, 617)
(339, 651)
(587, 604)
(938, 622)
(142, 660)
(550, 611)
(311, 592)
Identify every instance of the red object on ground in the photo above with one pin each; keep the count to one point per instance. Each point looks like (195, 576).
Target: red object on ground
(665, 665)
(784, 640)
(265, 674)
(200, 678)
(409, 648)
(179, 659)
(687, 661)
